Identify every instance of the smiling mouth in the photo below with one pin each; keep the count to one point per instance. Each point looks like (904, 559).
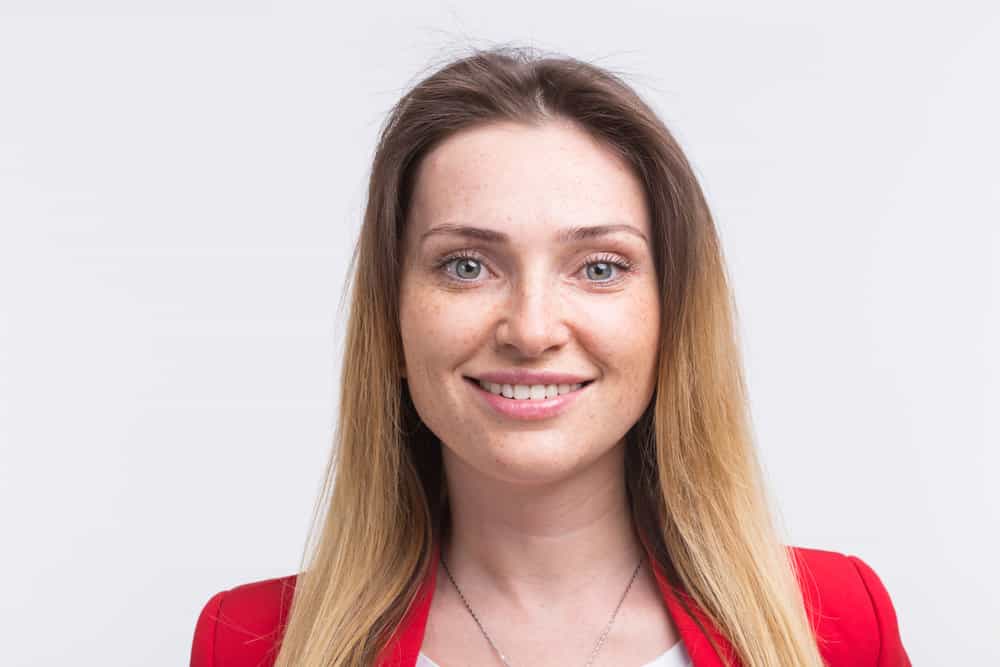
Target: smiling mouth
(523, 392)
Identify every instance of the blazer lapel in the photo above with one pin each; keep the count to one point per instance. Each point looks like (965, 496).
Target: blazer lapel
(692, 624)
(694, 627)
(404, 647)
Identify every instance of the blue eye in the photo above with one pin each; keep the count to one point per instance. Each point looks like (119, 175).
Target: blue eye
(467, 264)
(608, 269)
(602, 273)
(467, 267)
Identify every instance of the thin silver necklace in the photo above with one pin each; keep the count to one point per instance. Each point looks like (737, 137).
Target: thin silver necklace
(503, 658)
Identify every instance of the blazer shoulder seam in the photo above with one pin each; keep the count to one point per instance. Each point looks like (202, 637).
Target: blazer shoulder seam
(871, 600)
(215, 630)
(206, 640)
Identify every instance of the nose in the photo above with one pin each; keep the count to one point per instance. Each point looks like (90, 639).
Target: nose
(532, 321)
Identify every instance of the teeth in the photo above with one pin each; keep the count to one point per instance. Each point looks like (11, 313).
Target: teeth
(524, 392)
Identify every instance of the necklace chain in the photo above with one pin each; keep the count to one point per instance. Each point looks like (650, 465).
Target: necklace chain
(503, 658)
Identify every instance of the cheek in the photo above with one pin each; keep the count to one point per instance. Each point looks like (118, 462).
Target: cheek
(623, 334)
(419, 319)
(644, 341)
(437, 329)
(624, 326)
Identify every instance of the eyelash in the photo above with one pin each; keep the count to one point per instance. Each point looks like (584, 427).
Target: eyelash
(624, 266)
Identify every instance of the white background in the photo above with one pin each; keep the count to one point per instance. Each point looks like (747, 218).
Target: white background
(180, 187)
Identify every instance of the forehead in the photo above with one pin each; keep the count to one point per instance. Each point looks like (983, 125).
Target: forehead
(528, 180)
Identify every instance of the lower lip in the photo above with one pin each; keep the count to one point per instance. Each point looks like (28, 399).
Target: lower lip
(528, 409)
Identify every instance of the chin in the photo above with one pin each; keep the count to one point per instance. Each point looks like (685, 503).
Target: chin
(534, 459)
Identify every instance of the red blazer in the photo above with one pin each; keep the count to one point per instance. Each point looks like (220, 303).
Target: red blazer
(848, 606)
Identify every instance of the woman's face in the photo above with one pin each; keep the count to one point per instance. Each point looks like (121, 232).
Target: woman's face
(502, 278)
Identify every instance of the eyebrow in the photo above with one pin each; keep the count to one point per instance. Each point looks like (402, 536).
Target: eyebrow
(579, 233)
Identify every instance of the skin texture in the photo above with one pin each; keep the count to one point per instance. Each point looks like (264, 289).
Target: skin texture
(543, 545)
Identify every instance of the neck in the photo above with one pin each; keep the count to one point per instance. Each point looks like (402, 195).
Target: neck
(532, 544)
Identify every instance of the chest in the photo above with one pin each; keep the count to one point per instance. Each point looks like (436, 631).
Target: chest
(641, 633)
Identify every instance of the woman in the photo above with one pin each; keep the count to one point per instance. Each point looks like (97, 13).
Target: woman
(544, 453)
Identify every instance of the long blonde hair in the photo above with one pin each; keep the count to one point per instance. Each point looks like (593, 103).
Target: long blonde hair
(693, 477)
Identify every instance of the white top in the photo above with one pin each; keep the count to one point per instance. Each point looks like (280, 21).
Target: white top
(676, 656)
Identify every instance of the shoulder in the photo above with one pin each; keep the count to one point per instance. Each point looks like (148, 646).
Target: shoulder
(242, 625)
(850, 610)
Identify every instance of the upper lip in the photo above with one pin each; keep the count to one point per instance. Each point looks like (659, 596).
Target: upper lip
(516, 376)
